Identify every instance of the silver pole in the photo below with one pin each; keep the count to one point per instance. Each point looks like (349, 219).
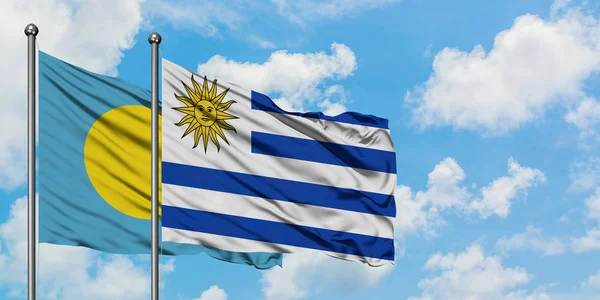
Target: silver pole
(31, 32)
(154, 40)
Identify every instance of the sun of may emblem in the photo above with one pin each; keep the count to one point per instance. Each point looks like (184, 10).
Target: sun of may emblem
(205, 113)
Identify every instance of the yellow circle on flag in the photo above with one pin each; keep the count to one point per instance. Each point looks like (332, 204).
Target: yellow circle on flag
(117, 158)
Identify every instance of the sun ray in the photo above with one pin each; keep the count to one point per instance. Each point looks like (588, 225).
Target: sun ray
(191, 128)
(205, 137)
(205, 90)
(219, 98)
(213, 90)
(221, 115)
(197, 135)
(219, 131)
(225, 106)
(185, 120)
(198, 90)
(187, 101)
(224, 125)
(213, 137)
(190, 111)
(191, 93)
(205, 113)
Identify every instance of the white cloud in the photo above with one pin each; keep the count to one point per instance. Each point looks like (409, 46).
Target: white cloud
(69, 30)
(261, 42)
(335, 97)
(427, 53)
(415, 214)
(168, 266)
(559, 6)
(214, 18)
(305, 273)
(213, 293)
(586, 117)
(201, 16)
(332, 103)
(532, 239)
(593, 205)
(108, 281)
(496, 197)
(286, 105)
(585, 175)
(165, 268)
(532, 66)
(332, 108)
(420, 211)
(472, 275)
(296, 77)
(592, 282)
(589, 242)
(301, 11)
(66, 272)
(536, 295)
(443, 184)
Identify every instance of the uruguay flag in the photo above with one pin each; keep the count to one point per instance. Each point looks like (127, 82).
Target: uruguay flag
(94, 166)
(241, 174)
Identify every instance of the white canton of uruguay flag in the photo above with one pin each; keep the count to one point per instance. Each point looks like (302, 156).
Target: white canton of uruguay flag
(241, 174)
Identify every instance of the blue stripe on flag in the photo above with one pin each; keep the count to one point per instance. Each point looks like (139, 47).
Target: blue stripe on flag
(278, 233)
(324, 152)
(278, 189)
(264, 103)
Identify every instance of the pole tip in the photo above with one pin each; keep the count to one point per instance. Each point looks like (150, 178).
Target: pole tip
(31, 29)
(154, 38)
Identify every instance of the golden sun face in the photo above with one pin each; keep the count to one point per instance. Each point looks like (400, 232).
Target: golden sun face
(205, 113)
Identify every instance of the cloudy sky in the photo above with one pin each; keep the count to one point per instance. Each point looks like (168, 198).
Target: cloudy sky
(494, 112)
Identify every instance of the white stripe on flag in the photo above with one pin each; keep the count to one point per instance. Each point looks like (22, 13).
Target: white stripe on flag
(242, 245)
(278, 211)
(278, 167)
(326, 131)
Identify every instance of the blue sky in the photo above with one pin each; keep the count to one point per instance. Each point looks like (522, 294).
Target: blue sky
(493, 109)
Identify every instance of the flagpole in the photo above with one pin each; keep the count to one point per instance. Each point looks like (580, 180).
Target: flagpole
(154, 40)
(31, 32)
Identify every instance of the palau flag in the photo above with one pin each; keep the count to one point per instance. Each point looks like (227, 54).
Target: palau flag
(241, 174)
(95, 166)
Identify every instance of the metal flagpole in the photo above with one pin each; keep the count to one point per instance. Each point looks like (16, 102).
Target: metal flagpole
(154, 40)
(31, 32)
